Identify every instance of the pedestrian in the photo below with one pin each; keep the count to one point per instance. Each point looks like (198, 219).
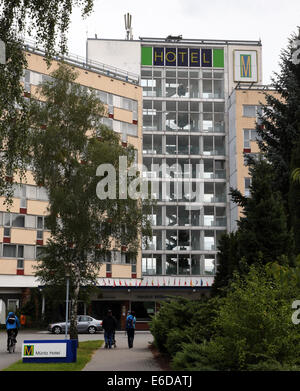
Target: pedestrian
(109, 326)
(130, 327)
(12, 325)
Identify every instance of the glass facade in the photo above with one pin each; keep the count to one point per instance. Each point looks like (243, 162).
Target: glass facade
(184, 129)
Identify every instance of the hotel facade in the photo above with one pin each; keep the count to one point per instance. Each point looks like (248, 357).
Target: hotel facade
(185, 105)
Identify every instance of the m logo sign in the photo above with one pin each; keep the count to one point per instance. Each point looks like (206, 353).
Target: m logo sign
(28, 351)
(245, 66)
(245, 63)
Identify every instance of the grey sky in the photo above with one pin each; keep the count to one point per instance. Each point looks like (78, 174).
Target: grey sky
(271, 20)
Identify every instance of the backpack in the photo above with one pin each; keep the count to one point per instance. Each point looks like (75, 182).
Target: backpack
(129, 322)
(11, 319)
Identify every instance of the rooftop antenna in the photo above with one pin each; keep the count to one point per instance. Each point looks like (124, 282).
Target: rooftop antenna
(128, 28)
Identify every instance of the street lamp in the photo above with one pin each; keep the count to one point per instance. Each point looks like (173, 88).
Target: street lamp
(67, 302)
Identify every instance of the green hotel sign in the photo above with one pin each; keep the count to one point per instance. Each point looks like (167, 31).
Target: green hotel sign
(184, 57)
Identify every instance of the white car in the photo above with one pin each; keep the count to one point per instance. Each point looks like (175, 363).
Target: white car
(85, 324)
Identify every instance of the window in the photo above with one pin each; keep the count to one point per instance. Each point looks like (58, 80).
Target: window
(184, 265)
(9, 250)
(171, 264)
(20, 264)
(209, 265)
(251, 110)
(249, 135)
(39, 251)
(12, 305)
(247, 182)
(18, 221)
(149, 265)
(6, 233)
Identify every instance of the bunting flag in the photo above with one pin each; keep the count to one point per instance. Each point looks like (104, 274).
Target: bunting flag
(158, 283)
(179, 282)
(174, 282)
(201, 282)
(136, 283)
(114, 283)
(164, 282)
(129, 283)
(169, 282)
(120, 282)
(206, 283)
(196, 282)
(185, 282)
(152, 283)
(191, 283)
(108, 282)
(140, 283)
(126, 283)
(147, 283)
(104, 283)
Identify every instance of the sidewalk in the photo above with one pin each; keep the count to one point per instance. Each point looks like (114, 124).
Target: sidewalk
(139, 358)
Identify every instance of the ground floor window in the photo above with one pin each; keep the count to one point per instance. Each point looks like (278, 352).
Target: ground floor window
(143, 310)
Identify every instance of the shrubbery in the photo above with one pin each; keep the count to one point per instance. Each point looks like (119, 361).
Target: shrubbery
(248, 329)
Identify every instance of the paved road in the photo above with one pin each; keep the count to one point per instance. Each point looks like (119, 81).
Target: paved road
(139, 358)
(7, 359)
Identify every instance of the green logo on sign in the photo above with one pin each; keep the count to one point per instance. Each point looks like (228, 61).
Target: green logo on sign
(28, 350)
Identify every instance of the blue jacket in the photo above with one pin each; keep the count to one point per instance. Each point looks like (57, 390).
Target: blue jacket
(14, 325)
(128, 322)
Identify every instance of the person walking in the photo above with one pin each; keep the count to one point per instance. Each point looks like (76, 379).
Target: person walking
(109, 326)
(130, 327)
(12, 325)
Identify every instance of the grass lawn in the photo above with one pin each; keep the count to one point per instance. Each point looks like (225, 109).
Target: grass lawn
(84, 355)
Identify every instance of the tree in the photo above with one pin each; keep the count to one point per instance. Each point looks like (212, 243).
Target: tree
(294, 196)
(69, 145)
(46, 21)
(279, 123)
(228, 261)
(262, 234)
(263, 231)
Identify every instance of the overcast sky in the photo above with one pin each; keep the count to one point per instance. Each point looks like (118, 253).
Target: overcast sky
(271, 20)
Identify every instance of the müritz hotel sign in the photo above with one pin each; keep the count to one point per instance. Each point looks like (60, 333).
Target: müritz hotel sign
(44, 350)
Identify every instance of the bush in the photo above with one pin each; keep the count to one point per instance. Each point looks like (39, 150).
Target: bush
(180, 320)
(253, 329)
(206, 356)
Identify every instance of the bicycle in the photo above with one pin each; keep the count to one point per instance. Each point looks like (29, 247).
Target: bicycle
(12, 342)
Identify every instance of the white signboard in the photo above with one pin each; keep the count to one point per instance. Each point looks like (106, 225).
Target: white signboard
(44, 350)
(245, 66)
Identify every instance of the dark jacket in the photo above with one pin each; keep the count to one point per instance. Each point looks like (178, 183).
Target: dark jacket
(109, 323)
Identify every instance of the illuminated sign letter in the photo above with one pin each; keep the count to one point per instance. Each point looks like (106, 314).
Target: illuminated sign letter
(245, 65)
(170, 57)
(206, 58)
(182, 57)
(158, 57)
(195, 57)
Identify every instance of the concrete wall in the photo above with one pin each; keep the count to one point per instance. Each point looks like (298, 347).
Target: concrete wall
(120, 54)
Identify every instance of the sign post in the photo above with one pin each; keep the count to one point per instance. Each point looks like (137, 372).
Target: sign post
(2, 53)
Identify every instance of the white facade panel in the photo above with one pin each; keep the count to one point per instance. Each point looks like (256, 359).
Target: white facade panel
(125, 55)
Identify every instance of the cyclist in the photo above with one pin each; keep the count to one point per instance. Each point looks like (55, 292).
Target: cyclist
(12, 325)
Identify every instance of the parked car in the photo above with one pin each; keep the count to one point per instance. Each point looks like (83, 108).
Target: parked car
(85, 324)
